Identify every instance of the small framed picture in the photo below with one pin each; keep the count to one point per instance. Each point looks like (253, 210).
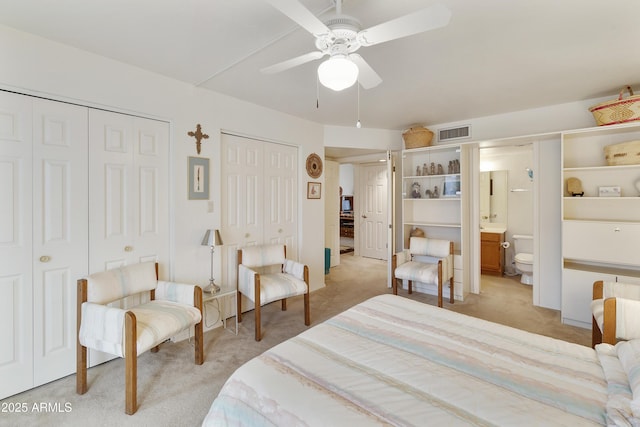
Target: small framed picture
(313, 190)
(451, 186)
(198, 178)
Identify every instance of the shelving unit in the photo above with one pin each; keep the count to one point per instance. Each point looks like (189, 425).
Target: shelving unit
(439, 217)
(600, 235)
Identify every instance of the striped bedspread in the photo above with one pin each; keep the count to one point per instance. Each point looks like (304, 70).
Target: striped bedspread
(394, 361)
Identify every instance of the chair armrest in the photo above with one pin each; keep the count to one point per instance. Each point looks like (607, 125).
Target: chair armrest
(246, 281)
(624, 314)
(294, 268)
(402, 257)
(597, 290)
(181, 293)
(102, 328)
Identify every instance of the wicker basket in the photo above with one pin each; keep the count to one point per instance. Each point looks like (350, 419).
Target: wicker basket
(625, 153)
(618, 110)
(417, 137)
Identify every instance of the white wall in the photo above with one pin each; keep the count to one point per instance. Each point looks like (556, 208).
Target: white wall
(346, 179)
(37, 66)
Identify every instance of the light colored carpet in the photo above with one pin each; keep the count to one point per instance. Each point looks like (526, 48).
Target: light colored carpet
(172, 391)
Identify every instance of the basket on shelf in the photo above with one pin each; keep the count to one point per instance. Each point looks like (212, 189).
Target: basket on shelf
(417, 137)
(617, 110)
(625, 153)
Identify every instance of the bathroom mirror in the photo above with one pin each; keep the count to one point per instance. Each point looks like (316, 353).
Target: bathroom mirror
(493, 196)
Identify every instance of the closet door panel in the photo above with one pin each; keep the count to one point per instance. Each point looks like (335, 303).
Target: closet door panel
(111, 190)
(280, 199)
(60, 227)
(151, 197)
(16, 249)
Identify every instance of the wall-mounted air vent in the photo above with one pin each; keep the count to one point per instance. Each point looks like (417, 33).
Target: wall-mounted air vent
(454, 133)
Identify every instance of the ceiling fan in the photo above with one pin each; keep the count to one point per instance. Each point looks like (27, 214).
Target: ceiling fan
(340, 37)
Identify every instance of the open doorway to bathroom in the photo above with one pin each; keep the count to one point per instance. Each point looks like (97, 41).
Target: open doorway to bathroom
(506, 210)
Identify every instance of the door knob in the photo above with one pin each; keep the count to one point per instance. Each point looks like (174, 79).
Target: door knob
(128, 248)
(247, 235)
(45, 258)
(279, 230)
(364, 216)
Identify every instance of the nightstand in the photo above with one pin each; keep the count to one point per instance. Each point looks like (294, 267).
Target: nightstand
(212, 301)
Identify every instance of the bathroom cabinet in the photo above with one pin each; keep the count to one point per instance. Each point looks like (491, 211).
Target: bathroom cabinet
(491, 253)
(600, 233)
(432, 189)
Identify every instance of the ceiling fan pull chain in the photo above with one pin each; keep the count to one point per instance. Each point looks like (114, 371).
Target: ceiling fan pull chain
(317, 91)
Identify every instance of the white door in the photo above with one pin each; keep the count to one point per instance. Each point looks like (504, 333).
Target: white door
(281, 196)
(372, 223)
(16, 248)
(259, 197)
(59, 233)
(128, 196)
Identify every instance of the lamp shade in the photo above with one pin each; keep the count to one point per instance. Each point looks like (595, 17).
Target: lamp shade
(212, 238)
(338, 73)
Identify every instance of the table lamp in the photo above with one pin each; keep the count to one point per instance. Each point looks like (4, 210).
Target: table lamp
(212, 238)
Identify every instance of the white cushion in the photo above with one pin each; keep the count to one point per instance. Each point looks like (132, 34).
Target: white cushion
(261, 255)
(118, 283)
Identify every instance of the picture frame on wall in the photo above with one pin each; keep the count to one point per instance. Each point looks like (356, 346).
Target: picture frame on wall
(198, 178)
(314, 190)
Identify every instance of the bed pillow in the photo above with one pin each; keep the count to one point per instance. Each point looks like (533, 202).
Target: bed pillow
(629, 356)
(619, 394)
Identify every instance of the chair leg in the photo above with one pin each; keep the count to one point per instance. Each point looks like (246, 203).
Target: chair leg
(257, 308)
(307, 315)
(451, 290)
(394, 285)
(198, 338)
(81, 369)
(410, 286)
(257, 313)
(81, 351)
(239, 306)
(284, 304)
(130, 364)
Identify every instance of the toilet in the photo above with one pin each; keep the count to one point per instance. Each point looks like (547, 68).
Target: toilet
(524, 257)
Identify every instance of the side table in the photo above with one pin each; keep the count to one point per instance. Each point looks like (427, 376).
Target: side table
(209, 299)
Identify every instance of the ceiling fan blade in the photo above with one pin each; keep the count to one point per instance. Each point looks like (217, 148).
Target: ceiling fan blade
(367, 77)
(293, 62)
(301, 15)
(430, 18)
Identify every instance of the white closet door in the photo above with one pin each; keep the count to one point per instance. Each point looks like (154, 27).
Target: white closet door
(128, 197)
(112, 187)
(259, 197)
(242, 198)
(16, 249)
(60, 232)
(281, 197)
(151, 208)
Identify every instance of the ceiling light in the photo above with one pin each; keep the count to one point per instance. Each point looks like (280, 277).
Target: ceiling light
(338, 73)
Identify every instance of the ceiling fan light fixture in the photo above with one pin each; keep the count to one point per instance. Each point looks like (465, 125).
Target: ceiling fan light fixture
(338, 73)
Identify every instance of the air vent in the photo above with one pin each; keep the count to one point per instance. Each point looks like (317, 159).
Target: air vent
(454, 133)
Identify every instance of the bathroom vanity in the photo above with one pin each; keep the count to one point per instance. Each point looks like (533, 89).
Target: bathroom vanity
(491, 252)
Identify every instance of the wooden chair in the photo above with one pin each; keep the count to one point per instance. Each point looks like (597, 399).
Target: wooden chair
(428, 261)
(265, 275)
(173, 308)
(616, 312)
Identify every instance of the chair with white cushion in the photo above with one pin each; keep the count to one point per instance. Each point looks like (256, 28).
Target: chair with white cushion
(172, 308)
(266, 275)
(616, 312)
(428, 261)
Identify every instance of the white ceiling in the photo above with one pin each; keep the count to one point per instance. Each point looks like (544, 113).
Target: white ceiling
(494, 56)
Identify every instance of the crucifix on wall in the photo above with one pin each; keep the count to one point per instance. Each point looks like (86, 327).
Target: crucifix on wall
(199, 136)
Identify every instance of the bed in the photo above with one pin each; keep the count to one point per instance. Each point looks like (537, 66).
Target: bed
(395, 361)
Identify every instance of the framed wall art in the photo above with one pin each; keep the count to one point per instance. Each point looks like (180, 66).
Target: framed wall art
(313, 190)
(198, 178)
